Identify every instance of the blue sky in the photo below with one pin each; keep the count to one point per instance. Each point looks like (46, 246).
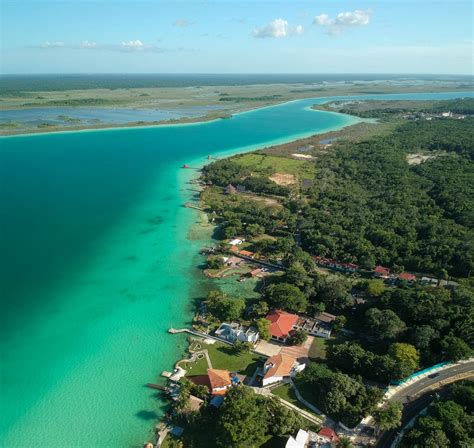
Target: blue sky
(221, 36)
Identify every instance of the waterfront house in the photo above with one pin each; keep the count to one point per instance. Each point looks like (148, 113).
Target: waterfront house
(194, 404)
(234, 261)
(236, 241)
(281, 324)
(219, 381)
(381, 272)
(236, 332)
(280, 367)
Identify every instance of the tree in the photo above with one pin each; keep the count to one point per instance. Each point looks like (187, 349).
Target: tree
(298, 276)
(283, 421)
(389, 416)
(407, 358)
(243, 419)
(260, 308)
(375, 287)
(286, 296)
(254, 230)
(455, 348)
(422, 335)
(263, 327)
(339, 323)
(383, 324)
(344, 442)
(215, 261)
(333, 291)
(224, 307)
(298, 337)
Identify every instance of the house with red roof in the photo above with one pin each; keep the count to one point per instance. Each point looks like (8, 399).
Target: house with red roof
(217, 381)
(281, 324)
(327, 435)
(407, 277)
(247, 253)
(381, 272)
(280, 367)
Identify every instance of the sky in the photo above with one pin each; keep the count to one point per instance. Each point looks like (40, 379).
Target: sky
(222, 36)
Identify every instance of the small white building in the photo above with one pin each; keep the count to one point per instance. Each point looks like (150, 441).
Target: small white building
(236, 242)
(235, 332)
(301, 440)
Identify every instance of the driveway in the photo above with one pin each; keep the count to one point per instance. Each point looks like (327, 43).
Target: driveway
(268, 348)
(300, 352)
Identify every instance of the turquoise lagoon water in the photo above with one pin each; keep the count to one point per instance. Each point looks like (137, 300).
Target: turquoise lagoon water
(97, 264)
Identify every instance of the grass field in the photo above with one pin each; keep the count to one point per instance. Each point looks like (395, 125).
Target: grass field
(267, 164)
(318, 348)
(223, 356)
(198, 367)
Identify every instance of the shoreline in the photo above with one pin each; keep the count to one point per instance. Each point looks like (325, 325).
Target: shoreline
(209, 118)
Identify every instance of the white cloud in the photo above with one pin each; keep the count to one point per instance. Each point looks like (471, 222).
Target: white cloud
(52, 45)
(182, 23)
(278, 28)
(343, 20)
(88, 44)
(125, 46)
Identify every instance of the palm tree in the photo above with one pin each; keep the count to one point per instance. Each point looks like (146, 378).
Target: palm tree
(344, 442)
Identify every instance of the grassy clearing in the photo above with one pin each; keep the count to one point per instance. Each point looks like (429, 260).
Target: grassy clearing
(195, 368)
(318, 348)
(224, 356)
(286, 392)
(273, 164)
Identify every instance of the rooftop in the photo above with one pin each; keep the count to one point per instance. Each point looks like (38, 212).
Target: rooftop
(281, 323)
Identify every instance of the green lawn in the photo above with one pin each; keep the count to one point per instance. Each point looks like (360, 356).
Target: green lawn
(223, 356)
(272, 164)
(198, 367)
(318, 348)
(286, 392)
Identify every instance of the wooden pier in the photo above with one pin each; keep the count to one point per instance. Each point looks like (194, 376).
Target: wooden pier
(155, 386)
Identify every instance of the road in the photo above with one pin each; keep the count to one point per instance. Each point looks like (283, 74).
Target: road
(419, 395)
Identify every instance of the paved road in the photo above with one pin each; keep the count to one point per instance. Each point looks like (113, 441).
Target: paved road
(414, 403)
(410, 391)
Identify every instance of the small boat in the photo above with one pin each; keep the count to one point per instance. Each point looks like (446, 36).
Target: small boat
(185, 165)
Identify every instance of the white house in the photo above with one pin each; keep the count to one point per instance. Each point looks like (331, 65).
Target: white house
(235, 332)
(280, 367)
(301, 440)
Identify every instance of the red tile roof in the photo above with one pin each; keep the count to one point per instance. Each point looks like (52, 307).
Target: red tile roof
(219, 378)
(246, 253)
(382, 270)
(234, 249)
(280, 365)
(407, 276)
(281, 323)
(329, 434)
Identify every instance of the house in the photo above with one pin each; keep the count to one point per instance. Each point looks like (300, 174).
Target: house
(236, 241)
(280, 367)
(301, 440)
(281, 324)
(381, 272)
(247, 253)
(339, 265)
(407, 277)
(230, 189)
(256, 273)
(234, 249)
(314, 327)
(235, 332)
(327, 436)
(219, 381)
(234, 261)
(194, 403)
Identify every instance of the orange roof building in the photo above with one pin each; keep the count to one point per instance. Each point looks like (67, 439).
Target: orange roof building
(281, 324)
(277, 368)
(247, 253)
(219, 381)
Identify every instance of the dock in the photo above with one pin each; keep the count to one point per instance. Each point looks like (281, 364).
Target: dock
(190, 205)
(155, 386)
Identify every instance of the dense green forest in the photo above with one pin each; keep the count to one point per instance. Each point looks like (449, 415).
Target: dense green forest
(449, 422)
(369, 206)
